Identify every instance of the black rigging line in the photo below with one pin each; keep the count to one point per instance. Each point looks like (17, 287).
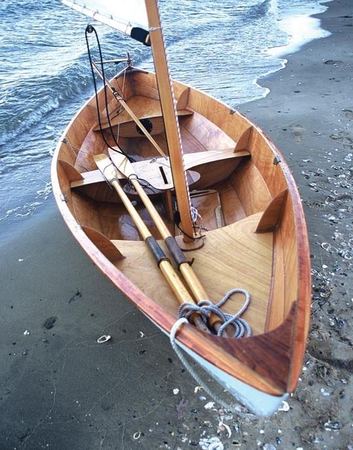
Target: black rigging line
(90, 29)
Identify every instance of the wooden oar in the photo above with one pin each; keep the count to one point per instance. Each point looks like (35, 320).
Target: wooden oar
(109, 171)
(125, 167)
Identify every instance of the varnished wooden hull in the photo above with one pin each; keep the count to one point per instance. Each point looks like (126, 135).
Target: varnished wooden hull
(262, 245)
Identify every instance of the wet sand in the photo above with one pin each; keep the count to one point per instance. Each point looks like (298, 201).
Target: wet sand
(59, 389)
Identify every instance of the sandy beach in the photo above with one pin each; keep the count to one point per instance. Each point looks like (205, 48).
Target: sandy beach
(61, 390)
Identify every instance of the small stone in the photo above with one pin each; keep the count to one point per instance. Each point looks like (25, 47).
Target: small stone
(50, 322)
(285, 407)
(269, 447)
(212, 443)
(209, 405)
(332, 425)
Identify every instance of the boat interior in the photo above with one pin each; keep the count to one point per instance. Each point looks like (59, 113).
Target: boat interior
(236, 182)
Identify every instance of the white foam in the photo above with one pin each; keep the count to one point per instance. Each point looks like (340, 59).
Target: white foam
(301, 29)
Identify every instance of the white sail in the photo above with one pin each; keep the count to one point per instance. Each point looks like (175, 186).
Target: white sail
(127, 16)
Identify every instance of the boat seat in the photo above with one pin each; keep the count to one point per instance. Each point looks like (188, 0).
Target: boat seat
(191, 161)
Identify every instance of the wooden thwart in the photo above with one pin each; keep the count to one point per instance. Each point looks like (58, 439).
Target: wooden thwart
(130, 112)
(143, 108)
(224, 262)
(144, 168)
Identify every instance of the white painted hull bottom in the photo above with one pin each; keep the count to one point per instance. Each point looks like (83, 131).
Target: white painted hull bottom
(256, 401)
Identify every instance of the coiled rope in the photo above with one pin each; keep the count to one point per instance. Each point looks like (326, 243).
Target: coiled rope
(206, 308)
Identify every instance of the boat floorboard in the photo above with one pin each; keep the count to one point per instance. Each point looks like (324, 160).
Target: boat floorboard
(236, 256)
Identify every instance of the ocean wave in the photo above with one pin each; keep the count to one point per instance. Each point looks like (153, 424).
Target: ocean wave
(33, 90)
(25, 104)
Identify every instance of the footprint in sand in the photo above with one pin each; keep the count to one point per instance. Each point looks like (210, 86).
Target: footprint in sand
(343, 137)
(298, 132)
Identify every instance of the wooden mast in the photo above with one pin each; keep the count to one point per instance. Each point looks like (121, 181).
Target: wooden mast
(171, 124)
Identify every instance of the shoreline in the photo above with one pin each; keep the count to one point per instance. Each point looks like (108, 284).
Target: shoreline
(283, 52)
(59, 387)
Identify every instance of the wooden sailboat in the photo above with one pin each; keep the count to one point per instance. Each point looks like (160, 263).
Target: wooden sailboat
(225, 197)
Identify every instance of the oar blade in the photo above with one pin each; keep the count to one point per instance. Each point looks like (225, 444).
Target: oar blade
(106, 166)
(156, 171)
(122, 163)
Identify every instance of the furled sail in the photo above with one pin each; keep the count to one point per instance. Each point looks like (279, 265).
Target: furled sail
(129, 17)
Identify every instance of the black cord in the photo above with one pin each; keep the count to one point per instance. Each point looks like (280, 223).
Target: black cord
(177, 221)
(90, 29)
(188, 236)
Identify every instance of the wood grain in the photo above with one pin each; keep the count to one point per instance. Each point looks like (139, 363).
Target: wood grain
(273, 213)
(224, 257)
(103, 244)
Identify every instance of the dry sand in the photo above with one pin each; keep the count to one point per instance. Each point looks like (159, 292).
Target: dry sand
(59, 389)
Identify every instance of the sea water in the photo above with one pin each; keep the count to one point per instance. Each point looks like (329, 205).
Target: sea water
(222, 47)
